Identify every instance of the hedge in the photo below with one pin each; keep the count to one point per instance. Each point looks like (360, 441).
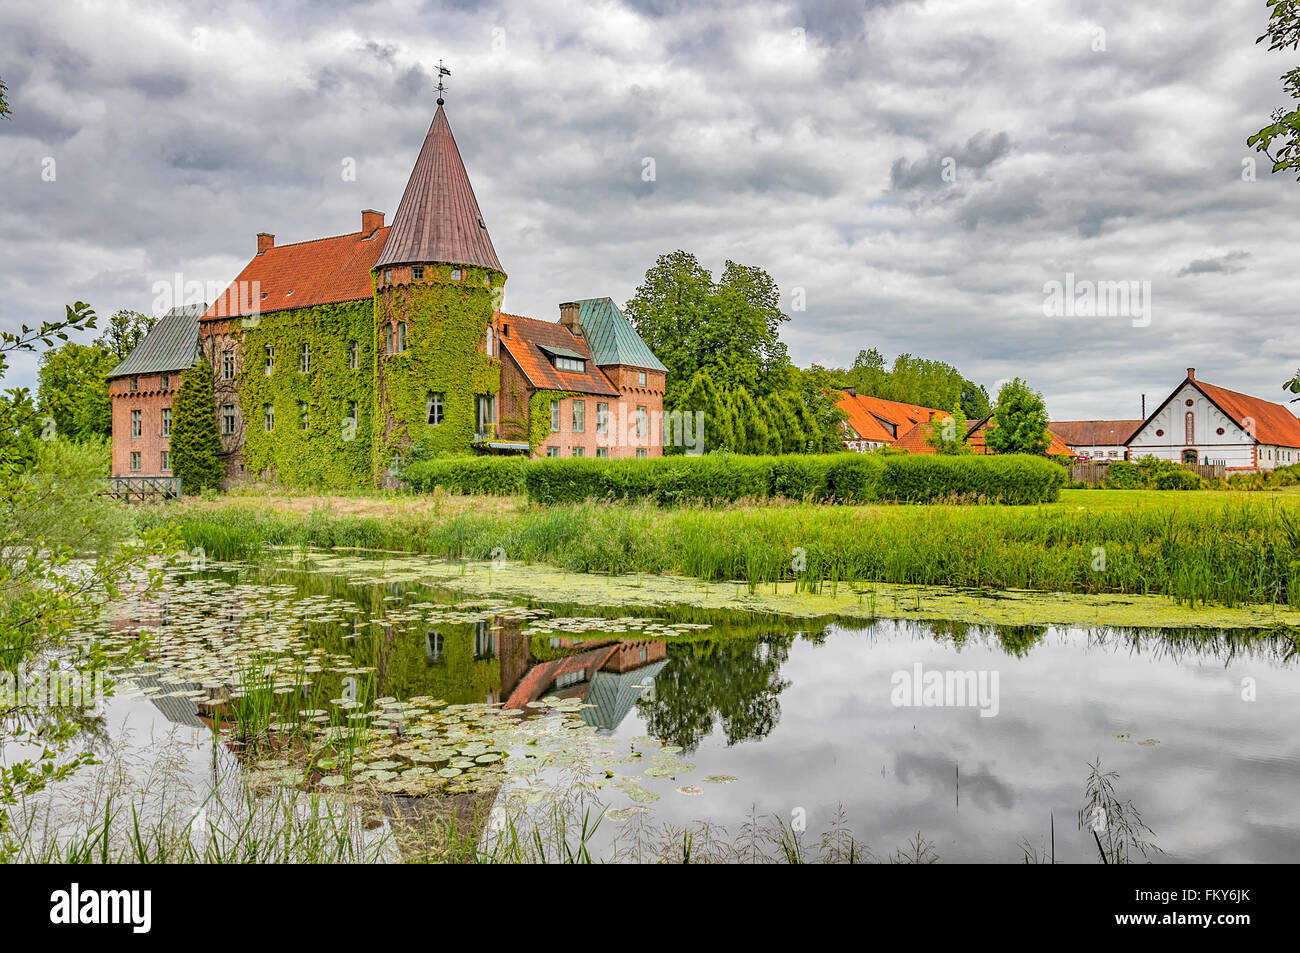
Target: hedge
(721, 478)
(489, 476)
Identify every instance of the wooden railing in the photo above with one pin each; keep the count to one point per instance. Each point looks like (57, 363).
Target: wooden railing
(142, 489)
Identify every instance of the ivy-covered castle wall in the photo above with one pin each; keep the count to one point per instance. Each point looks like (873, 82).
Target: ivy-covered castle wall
(445, 353)
(332, 446)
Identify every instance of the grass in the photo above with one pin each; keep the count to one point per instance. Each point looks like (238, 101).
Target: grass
(1222, 547)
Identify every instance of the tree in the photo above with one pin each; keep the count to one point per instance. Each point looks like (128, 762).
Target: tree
(1293, 385)
(126, 329)
(50, 513)
(73, 390)
(1019, 423)
(974, 401)
(729, 328)
(195, 443)
(1283, 33)
(4, 102)
(948, 434)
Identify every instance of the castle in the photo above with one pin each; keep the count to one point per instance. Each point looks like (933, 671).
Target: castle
(333, 357)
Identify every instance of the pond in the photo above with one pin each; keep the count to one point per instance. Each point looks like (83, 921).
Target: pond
(924, 741)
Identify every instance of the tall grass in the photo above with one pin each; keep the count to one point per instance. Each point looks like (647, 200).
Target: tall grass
(1229, 554)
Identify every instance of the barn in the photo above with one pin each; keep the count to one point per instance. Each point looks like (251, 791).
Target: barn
(1206, 424)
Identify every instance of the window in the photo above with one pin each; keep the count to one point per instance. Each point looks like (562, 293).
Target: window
(1190, 435)
(640, 453)
(270, 359)
(602, 452)
(417, 272)
(165, 460)
(401, 336)
(433, 407)
(165, 381)
(602, 418)
(505, 330)
(642, 420)
(268, 417)
(1189, 456)
(135, 384)
(353, 417)
(135, 460)
(354, 355)
(579, 416)
(455, 274)
(552, 451)
(486, 414)
(304, 421)
(640, 379)
(488, 342)
(136, 426)
(386, 340)
(228, 364)
(227, 419)
(555, 416)
(167, 422)
(578, 452)
(570, 364)
(388, 274)
(304, 360)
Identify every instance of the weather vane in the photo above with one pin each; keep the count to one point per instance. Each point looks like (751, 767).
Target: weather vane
(442, 71)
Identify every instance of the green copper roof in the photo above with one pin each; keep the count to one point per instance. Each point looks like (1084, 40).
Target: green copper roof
(610, 697)
(171, 344)
(611, 338)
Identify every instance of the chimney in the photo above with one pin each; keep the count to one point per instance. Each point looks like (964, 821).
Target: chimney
(569, 318)
(371, 221)
(265, 240)
(1191, 373)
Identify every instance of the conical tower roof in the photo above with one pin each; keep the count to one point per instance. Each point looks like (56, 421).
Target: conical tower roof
(438, 219)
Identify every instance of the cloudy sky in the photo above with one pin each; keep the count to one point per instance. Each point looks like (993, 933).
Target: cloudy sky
(913, 174)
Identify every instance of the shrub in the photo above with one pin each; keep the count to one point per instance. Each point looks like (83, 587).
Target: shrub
(855, 478)
(1123, 475)
(1001, 478)
(1177, 479)
(800, 478)
(487, 476)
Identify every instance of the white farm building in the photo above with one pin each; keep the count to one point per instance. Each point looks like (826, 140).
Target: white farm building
(1202, 423)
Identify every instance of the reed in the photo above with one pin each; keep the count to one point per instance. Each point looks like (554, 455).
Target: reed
(1219, 551)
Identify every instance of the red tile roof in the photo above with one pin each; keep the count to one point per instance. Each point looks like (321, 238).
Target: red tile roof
(915, 440)
(975, 440)
(1095, 433)
(875, 418)
(438, 219)
(1272, 423)
(323, 271)
(526, 334)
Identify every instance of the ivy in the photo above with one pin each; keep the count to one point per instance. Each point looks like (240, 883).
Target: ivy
(446, 323)
(331, 451)
(539, 415)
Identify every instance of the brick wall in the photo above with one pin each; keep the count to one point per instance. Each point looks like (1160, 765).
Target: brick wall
(152, 394)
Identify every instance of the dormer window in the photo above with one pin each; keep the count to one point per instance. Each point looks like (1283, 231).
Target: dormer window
(505, 330)
(570, 364)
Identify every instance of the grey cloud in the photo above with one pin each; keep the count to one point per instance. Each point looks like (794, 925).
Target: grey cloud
(1223, 264)
(170, 158)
